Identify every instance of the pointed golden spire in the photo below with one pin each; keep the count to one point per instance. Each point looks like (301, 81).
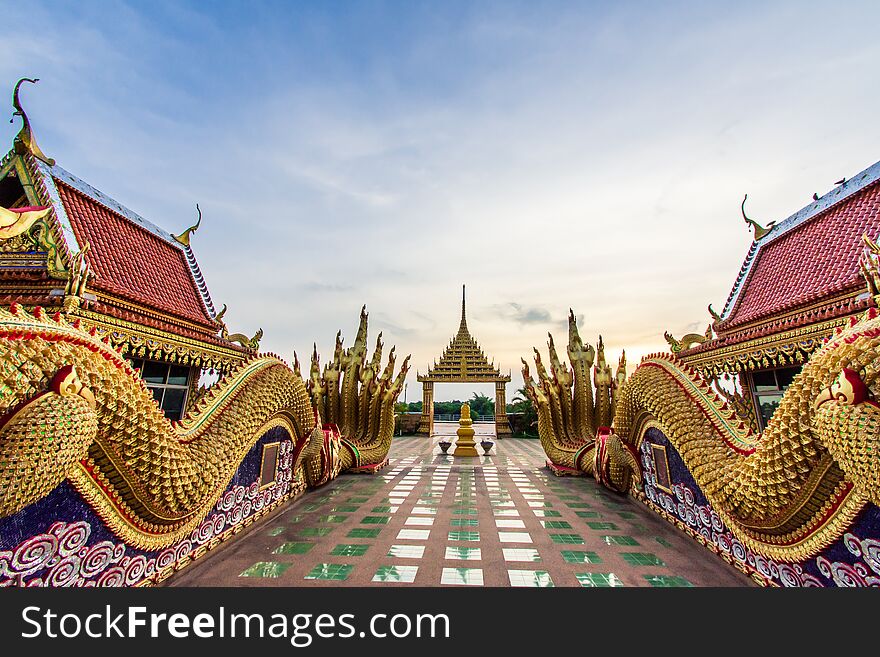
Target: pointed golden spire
(462, 328)
(24, 141)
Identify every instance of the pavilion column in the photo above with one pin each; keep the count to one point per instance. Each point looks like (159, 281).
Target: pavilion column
(502, 425)
(426, 422)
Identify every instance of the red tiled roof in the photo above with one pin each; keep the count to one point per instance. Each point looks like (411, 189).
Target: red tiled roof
(130, 261)
(812, 261)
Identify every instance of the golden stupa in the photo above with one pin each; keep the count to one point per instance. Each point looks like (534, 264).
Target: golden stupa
(465, 445)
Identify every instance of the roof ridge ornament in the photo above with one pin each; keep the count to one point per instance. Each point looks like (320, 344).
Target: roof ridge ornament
(760, 232)
(184, 237)
(24, 141)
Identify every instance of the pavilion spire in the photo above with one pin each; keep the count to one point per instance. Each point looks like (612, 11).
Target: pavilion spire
(463, 326)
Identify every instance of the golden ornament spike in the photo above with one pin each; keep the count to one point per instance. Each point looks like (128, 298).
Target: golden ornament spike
(760, 232)
(25, 141)
(184, 237)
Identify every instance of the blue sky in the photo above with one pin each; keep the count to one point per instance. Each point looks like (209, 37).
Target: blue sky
(550, 155)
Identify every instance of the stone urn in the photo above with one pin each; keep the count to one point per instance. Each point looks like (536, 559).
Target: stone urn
(444, 445)
(486, 445)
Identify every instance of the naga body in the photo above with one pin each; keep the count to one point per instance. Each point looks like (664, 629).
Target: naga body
(785, 493)
(73, 409)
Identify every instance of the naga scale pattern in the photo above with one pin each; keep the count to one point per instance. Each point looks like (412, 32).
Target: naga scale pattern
(75, 415)
(787, 495)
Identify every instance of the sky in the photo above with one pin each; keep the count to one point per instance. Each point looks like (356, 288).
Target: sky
(549, 155)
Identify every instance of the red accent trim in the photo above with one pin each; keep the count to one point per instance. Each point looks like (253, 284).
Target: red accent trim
(30, 208)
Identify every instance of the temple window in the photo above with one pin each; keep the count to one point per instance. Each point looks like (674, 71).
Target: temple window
(169, 384)
(767, 387)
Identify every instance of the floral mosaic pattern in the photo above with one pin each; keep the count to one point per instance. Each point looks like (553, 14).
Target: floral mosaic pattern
(69, 554)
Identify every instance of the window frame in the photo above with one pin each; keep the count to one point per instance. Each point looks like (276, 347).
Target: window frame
(778, 391)
(139, 363)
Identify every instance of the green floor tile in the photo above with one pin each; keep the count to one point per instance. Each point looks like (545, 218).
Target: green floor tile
(587, 514)
(530, 578)
(464, 512)
(315, 531)
(608, 526)
(547, 513)
(312, 507)
(662, 541)
(375, 520)
(642, 559)
(364, 532)
(580, 556)
(598, 579)
(667, 581)
(330, 571)
(555, 524)
(464, 536)
(293, 547)
(381, 509)
(404, 574)
(472, 576)
(358, 500)
(469, 554)
(619, 540)
(346, 508)
(266, 569)
(577, 505)
(349, 550)
(335, 519)
(464, 522)
(627, 515)
(275, 531)
(572, 539)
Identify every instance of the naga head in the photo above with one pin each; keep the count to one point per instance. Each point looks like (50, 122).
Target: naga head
(559, 369)
(848, 389)
(577, 352)
(602, 371)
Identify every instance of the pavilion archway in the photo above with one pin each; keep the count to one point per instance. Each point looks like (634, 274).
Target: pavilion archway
(463, 361)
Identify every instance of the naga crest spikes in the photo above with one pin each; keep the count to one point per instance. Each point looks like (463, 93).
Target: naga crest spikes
(24, 141)
(577, 351)
(558, 368)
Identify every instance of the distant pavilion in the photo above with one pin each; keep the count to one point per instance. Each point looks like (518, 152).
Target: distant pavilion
(463, 361)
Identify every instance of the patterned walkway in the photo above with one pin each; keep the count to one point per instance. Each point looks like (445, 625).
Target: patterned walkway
(429, 520)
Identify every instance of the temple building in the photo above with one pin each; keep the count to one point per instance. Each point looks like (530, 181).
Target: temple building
(801, 280)
(463, 361)
(65, 246)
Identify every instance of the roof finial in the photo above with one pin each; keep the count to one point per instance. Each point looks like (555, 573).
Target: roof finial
(24, 141)
(463, 325)
(183, 238)
(760, 231)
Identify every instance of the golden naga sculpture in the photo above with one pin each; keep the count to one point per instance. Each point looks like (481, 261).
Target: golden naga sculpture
(72, 409)
(246, 342)
(357, 397)
(569, 415)
(792, 490)
(688, 340)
